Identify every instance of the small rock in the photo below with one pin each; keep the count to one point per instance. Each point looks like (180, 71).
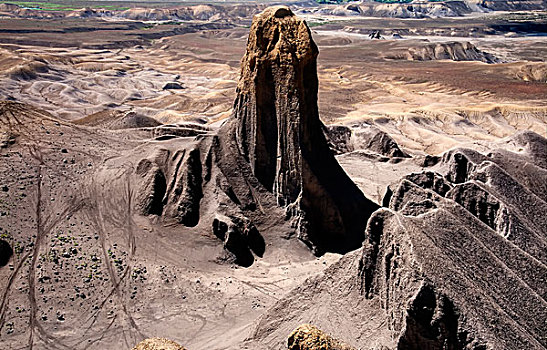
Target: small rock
(308, 337)
(158, 343)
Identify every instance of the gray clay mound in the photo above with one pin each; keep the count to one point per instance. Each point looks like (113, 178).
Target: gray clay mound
(116, 120)
(455, 51)
(133, 120)
(27, 70)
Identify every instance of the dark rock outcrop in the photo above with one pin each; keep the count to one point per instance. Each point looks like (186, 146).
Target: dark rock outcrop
(184, 192)
(477, 201)
(430, 180)
(365, 138)
(339, 138)
(173, 86)
(379, 142)
(150, 195)
(240, 237)
(5, 252)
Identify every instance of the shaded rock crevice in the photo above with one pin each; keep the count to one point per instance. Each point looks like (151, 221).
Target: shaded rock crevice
(432, 323)
(240, 236)
(150, 194)
(6, 252)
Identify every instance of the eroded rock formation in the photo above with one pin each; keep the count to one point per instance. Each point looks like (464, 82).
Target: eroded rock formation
(272, 153)
(456, 51)
(277, 129)
(364, 137)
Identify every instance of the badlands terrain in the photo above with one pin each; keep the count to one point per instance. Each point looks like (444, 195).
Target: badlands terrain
(195, 173)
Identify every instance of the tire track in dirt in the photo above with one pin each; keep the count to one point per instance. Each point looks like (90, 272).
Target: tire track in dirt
(120, 216)
(43, 229)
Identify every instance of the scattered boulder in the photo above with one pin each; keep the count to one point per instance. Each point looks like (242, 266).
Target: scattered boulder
(309, 337)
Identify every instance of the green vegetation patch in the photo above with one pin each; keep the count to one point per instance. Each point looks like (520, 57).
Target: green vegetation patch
(52, 6)
(47, 6)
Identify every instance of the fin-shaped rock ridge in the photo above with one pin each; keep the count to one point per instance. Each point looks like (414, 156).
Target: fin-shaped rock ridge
(456, 261)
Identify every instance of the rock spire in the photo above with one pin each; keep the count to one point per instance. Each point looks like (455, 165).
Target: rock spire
(277, 129)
